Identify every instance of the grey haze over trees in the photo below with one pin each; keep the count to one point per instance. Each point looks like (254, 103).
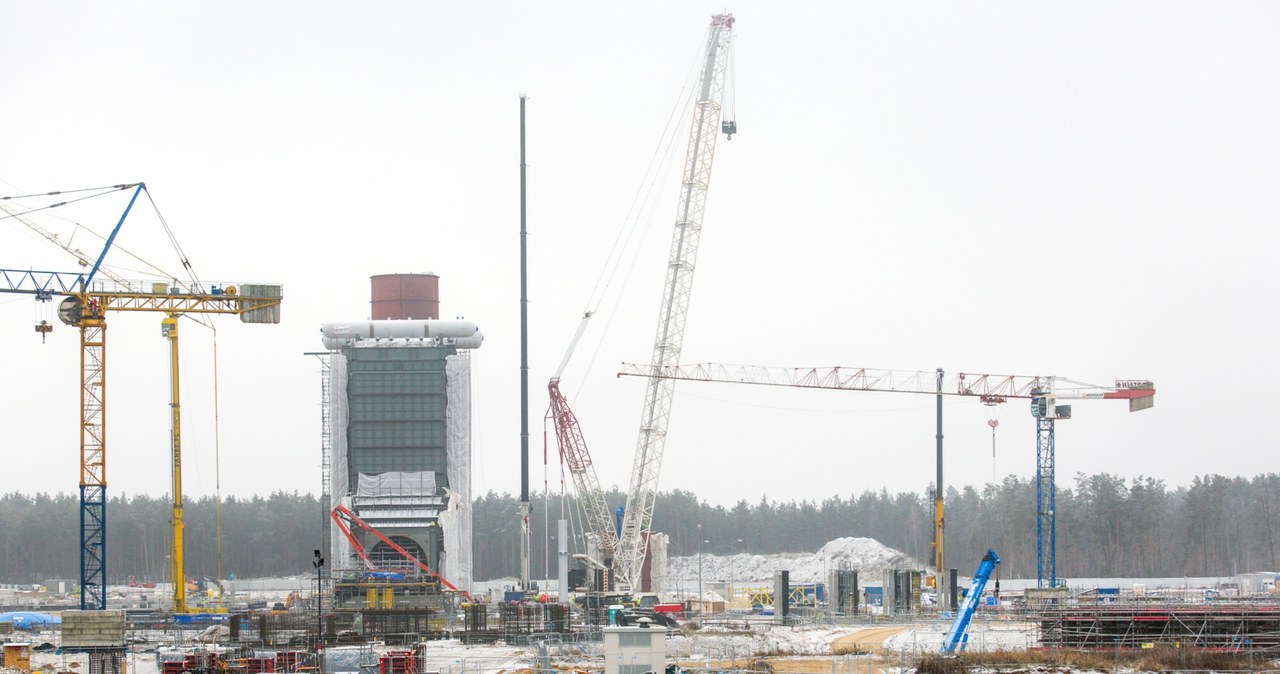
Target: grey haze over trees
(1108, 526)
(260, 536)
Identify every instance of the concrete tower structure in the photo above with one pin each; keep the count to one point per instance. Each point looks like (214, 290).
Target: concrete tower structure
(399, 415)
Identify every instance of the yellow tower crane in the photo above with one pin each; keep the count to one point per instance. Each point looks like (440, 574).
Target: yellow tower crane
(86, 301)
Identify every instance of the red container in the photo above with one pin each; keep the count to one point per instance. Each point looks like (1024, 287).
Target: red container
(401, 297)
(259, 665)
(397, 662)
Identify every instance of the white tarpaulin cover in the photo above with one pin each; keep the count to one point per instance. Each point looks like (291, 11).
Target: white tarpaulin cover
(397, 483)
(339, 416)
(455, 522)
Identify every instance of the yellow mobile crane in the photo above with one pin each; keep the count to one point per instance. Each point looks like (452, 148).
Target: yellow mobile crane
(86, 301)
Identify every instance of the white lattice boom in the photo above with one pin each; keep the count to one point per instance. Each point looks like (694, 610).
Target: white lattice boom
(638, 516)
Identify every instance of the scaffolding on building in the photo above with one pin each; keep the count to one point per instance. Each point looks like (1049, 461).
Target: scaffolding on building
(1227, 627)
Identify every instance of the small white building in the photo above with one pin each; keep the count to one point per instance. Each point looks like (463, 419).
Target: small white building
(635, 650)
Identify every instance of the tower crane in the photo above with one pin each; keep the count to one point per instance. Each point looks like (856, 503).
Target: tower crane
(82, 257)
(637, 518)
(86, 300)
(990, 389)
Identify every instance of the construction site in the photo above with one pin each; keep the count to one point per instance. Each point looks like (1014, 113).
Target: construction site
(393, 587)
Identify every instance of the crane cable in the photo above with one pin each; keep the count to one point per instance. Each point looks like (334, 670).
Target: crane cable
(546, 501)
(197, 287)
(109, 190)
(217, 465)
(76, 226)
(173, 241)
(103, 191)
(731, 84)
(643, 207)
(566, 512)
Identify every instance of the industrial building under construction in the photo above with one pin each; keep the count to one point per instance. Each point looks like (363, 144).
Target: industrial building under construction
(394, 567)
(397, 424)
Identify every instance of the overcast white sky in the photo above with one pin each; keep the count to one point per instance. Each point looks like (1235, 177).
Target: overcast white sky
(1080, 189)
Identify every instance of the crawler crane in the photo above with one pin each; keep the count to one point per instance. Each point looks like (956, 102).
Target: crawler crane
(637, 519)
(574, 454)
(627, 544)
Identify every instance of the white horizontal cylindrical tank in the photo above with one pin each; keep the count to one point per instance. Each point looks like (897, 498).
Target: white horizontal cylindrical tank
(462, 334)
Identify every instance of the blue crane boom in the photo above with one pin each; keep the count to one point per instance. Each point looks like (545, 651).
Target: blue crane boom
(956, 636)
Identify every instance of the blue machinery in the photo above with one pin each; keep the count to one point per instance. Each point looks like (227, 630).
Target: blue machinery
(957, 636)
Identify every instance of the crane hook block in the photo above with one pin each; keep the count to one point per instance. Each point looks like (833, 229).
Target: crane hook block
(729, 127)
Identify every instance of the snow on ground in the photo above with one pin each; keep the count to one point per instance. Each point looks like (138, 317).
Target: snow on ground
(983, 636)
(712, 643)
(865, 555)
(453, 656)
(709, 644)
(816, 640)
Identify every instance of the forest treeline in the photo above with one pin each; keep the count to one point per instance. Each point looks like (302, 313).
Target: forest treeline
(1107, 527)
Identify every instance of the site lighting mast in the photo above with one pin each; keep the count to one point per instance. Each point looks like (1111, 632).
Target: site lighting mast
(991, 389)
(637, 518)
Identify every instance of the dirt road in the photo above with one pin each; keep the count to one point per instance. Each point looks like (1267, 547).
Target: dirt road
(869, 640)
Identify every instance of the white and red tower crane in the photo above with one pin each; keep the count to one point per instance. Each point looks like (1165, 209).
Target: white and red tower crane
(1044, 392)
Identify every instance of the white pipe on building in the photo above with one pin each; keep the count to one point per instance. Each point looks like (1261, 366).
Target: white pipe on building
(462, 334)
